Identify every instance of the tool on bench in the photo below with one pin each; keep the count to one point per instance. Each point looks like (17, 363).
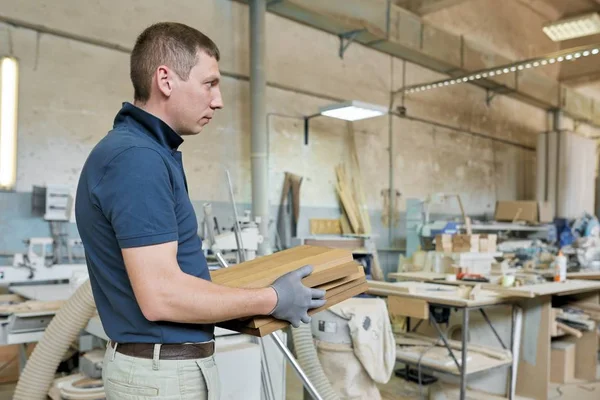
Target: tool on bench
(470, 277)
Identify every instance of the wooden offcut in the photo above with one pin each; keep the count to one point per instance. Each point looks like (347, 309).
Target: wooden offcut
(276, 325)
(31, 306)
(331, 289)
(262, 272)
(334, 271)
(323, 226)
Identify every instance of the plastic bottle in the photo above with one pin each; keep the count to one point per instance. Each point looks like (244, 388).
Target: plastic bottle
(560, 268)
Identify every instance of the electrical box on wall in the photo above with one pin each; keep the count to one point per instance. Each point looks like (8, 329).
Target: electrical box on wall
(59, 203)
(54, 202)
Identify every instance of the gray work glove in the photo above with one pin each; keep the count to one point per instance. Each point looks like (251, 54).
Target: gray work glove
(294, 299)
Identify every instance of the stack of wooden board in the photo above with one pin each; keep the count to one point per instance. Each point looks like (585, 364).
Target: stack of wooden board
(460, 243)
(334, 271)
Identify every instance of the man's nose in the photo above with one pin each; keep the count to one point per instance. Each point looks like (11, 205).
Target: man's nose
(217, 102)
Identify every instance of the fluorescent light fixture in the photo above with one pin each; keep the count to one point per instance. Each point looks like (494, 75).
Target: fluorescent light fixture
(353, 110)
(573, 27)
(9, 76)
(571, 55)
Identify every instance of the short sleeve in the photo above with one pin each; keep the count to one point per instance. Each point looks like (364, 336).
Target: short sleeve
(136, 196)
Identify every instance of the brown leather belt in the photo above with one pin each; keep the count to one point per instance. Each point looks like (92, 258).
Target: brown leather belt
(167, 351)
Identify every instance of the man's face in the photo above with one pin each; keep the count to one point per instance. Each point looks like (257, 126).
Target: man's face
(192, 103)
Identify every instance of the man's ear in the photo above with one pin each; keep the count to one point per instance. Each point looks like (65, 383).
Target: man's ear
(164, 80)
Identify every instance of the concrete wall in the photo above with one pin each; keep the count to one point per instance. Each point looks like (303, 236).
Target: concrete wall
(74, 81)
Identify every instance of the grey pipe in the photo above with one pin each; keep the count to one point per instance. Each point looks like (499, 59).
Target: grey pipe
(259, 149)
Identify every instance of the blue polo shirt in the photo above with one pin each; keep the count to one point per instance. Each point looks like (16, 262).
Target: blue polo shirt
(132, 192)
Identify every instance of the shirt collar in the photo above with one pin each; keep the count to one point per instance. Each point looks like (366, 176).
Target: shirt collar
(151, 125)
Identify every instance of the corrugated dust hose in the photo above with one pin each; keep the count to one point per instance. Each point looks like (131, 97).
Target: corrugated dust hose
(65, 327)
(38, 375)
(306, 353)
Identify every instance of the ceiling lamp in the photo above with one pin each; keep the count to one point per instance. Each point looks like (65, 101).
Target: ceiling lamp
(573, 27)
(353, 110)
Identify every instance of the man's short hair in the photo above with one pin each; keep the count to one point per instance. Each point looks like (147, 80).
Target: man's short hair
(166, 43)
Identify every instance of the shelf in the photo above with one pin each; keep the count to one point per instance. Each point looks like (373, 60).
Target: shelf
(507, 227)
(413, 347)
(476, 363)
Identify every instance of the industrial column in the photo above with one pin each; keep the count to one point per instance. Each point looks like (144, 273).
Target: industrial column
(259, 149)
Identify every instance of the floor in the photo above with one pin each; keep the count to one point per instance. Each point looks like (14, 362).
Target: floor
(398, 389)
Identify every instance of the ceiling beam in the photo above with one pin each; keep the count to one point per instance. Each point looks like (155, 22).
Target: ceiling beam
(582, 80)
(584, 71)
(424, 7)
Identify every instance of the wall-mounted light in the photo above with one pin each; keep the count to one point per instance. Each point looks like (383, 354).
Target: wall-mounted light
(573, 27)
(352, 110)
(9, 79)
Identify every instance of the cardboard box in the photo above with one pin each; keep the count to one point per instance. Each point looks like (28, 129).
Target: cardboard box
(9, 362)
(562, 361)
(488, 243)
(443, 243)
(484, 243)
(465, 243)
(407, 307)
(528, 211)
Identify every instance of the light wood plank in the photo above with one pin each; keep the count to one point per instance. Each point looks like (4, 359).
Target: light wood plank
(263, 271)
(554, 288)
(356, 275)
(435, 293)
(277, 325)
(322, 226)
(259, 321)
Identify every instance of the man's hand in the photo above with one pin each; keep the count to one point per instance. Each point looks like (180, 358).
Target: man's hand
(294, 299)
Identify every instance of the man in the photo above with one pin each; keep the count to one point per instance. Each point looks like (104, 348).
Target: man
(149, 277)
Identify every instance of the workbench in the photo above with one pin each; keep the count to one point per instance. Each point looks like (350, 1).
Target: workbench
(593, 275)
(537, 302)
(418, 298)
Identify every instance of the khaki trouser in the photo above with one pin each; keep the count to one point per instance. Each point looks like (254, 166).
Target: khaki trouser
(133, 378)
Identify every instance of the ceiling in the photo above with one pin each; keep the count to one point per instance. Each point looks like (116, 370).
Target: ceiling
(550, 9)
(555, 9)
(583, 72)
(580, 74)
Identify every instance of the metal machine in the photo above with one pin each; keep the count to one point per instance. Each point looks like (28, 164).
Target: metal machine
(48, 258)
(234, 246)
(37, 263)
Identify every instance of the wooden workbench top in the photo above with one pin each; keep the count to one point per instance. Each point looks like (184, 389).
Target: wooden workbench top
(571, 286)
(436, 293)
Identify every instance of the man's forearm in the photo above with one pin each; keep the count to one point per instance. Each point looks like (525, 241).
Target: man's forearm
(187, 299)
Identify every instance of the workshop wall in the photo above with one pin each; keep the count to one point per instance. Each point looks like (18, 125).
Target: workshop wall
(74, 80)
